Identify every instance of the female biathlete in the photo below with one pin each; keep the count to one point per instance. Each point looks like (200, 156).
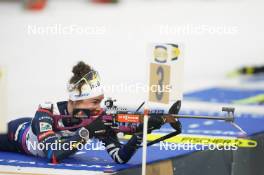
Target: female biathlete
(85, 93)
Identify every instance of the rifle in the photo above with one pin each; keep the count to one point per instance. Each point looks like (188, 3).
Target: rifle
(127, 122)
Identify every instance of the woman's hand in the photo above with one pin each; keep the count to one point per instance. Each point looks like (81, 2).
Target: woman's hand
(154, 122)
(98, 128)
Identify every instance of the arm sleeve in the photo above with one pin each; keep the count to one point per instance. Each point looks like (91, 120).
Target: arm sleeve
(42, 127)
(121, 153)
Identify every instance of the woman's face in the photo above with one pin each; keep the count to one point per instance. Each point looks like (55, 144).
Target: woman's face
(93, 104)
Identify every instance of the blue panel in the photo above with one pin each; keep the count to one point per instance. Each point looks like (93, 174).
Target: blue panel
(222, 95)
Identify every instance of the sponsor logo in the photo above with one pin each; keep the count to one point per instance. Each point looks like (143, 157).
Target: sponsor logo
(44, 126)
(205, 140)
(44, 135)
(128, 118)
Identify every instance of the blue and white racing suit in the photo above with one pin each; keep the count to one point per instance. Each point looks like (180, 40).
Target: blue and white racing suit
(25, 135)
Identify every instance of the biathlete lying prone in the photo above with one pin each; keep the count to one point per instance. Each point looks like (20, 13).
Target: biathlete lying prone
(85, 95)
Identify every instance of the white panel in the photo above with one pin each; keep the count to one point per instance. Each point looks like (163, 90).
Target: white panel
(3, 99)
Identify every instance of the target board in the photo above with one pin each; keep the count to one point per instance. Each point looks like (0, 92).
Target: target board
(165, 73)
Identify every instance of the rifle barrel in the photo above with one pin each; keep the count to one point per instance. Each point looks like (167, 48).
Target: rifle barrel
(199, 117)
(229, 118)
